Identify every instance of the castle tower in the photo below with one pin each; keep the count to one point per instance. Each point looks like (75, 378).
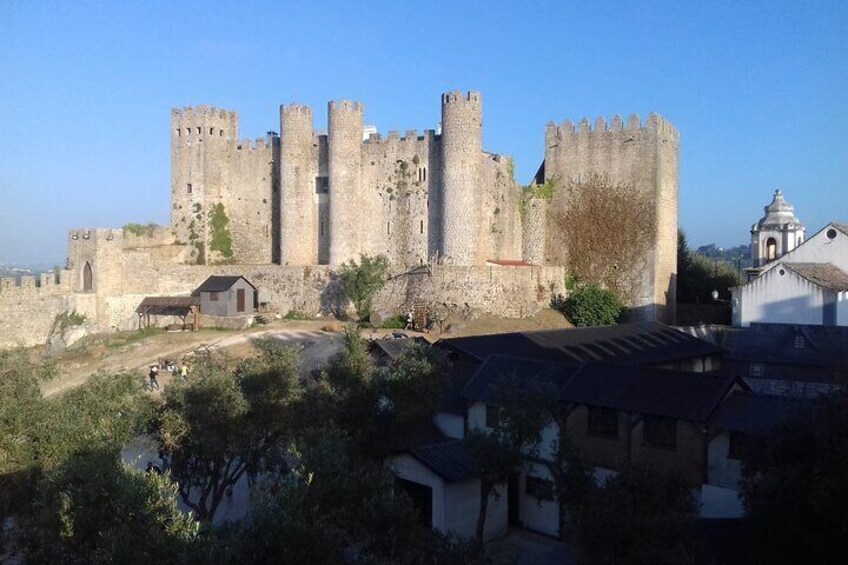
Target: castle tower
(298, 216)
(200, 141)
(462, 147)
(777, 233)
(345, 126)
(643, 156)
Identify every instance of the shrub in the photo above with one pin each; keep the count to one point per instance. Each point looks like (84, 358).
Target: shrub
(592, 305)
(395, 322)
(361, 282)
(295, 315)
(72, 318)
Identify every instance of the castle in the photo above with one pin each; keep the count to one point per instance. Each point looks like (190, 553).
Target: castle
(286, 210)
(310, 198)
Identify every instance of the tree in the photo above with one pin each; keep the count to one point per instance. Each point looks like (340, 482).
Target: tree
(794, 485)
(698, 275)
(94, 509)
(574, 481)
(361, 282)
(228, 421)
(592, 305)
(603, 232)
(638, 517)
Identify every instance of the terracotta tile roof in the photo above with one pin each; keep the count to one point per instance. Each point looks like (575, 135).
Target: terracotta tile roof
(825, 275)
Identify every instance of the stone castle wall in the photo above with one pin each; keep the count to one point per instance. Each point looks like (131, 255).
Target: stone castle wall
(643, 156)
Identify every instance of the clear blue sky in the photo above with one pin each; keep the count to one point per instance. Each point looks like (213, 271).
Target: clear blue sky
(758, 90)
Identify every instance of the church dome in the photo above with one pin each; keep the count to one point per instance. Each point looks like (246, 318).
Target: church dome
(779, 213)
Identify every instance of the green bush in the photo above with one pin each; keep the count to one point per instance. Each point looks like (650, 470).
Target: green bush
(362, 281)
(295, 315)
(592, 305)
(72, 318)
(395, 323)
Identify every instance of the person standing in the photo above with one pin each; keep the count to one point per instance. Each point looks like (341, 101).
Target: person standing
(154, 372)
(184, 372)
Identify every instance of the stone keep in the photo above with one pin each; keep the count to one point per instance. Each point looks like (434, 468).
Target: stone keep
(644, 156)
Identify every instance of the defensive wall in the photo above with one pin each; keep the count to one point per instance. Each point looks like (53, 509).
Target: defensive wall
(125, 268)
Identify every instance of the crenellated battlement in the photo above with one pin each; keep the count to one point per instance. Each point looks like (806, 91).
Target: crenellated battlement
(203, 122)
(654, 123)
(296, 109)
(394, 136)
(346, 105)
(457, 96)
(197, 112)
(258, 144)
(25, 286)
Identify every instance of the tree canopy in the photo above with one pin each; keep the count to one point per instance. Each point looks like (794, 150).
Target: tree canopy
(362, 281)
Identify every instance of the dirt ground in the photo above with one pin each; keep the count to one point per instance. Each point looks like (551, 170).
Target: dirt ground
(131, 351)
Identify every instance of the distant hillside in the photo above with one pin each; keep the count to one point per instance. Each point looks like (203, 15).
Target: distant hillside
(736, 256)
(18, 270)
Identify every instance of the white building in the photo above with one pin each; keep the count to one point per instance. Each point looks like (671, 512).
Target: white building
(776, 234)
(806, 285)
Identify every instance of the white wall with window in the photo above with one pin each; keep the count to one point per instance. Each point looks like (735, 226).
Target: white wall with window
(538, 509)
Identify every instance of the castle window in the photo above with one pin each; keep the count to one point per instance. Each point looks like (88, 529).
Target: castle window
(322, 185)
(388, 228)
(421, 226)
(188, 188)
(220, 133)
(178, 132)
(321, 229)
(87, 278)
(211, 131)
(198, 130)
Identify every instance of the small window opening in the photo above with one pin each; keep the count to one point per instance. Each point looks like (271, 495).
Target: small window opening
(388, 228)
(211, 131)
(179, 132)
(213, 297)
(493, 416)
(220, 133)
(771, 249)
(188, 188)
(198, 130)
(541, 489)
(424, 173)
(321, 229)
(421, 226)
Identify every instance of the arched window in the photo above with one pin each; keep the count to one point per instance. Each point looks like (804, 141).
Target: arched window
(771, 249)
(87, 278)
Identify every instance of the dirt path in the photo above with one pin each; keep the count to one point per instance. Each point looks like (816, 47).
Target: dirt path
(109, 353)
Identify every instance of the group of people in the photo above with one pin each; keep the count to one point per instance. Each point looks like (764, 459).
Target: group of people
(172, 367)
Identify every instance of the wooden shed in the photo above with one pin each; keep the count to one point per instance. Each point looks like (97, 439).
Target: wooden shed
(226, 296)
(180, 306)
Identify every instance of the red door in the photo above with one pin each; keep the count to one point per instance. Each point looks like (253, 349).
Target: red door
(239, 300)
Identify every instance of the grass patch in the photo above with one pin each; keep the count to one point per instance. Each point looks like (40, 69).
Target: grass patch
(395, 323)
(296, 315)
(123, 339)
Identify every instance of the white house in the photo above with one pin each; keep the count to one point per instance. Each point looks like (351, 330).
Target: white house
(806, 285)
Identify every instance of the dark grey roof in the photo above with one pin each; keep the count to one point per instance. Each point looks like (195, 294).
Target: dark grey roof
(642, 343)
(167, 305)
(218, 283)
(394, 347)
(483, 385)
(672, 394)
(826, 275)
(821, 346)
(841, 227)
(752, 413)
(451, 460)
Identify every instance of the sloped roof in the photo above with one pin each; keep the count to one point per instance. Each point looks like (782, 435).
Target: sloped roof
(483, 384)
(692, 397)
(784, 344)
(167, 305)
(825, 275)
(219, 283)
(778, 213)
(659, 392)
(635, 343)
(841, 227)
(394, 347)
(752, 413)
(451, 460)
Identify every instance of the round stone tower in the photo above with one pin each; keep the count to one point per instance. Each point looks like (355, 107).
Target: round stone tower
(298, 217)
(462, 147)
(777, 233)
(345, 125)
(200, 140)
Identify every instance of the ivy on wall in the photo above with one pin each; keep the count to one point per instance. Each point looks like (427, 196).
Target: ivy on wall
(222, 240)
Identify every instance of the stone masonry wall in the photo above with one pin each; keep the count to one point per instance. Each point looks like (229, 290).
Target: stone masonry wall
(644, 156)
